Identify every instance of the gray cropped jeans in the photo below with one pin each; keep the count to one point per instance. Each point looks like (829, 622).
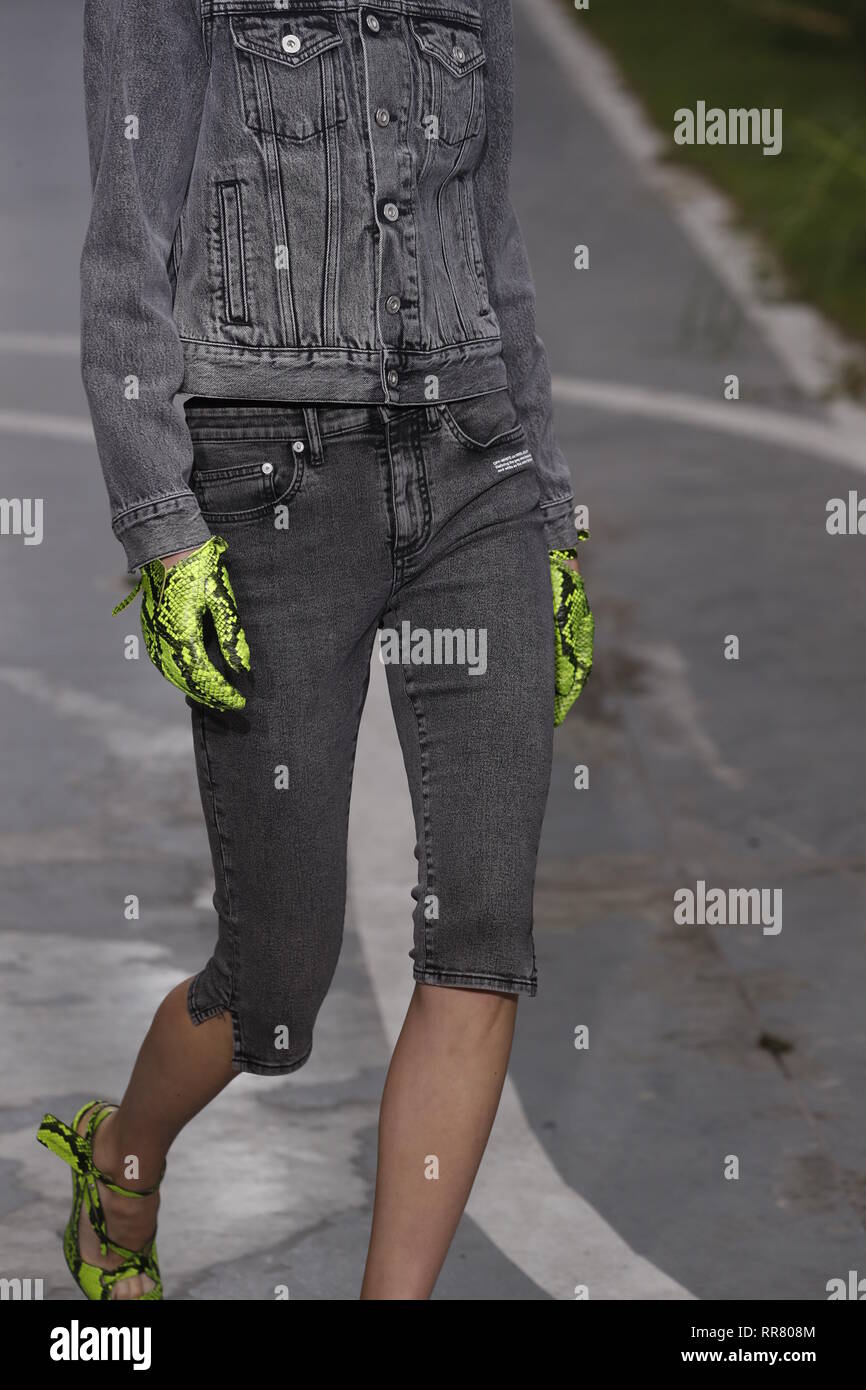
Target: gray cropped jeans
(422, 525)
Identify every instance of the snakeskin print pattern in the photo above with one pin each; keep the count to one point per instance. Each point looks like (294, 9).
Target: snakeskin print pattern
(76, 1149)
(574, 631)
(173, 606)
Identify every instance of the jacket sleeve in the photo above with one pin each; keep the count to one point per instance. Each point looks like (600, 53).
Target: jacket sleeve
(145, 77)
(512, 293)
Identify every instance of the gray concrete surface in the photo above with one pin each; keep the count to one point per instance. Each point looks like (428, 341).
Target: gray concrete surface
(607, 1167)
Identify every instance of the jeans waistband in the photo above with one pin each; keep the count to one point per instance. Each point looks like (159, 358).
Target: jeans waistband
(206, 415)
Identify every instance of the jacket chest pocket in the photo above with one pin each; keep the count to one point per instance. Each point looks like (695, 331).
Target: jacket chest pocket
(452, 57)
(290, 73)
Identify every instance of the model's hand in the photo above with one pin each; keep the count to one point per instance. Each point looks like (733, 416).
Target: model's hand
(574, 627)
(175, 597)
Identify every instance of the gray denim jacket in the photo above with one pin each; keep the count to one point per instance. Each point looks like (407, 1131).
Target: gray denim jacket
(304, 201)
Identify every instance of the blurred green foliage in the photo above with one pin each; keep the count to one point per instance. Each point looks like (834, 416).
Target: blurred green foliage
(807, 57)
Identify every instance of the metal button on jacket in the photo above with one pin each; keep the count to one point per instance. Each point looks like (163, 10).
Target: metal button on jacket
(393, 377)
(392, 304)
(298, 446)
(373, 24)
(391, 211)
(458, 53)
(290, 43)
(267, 468)
(383, 117)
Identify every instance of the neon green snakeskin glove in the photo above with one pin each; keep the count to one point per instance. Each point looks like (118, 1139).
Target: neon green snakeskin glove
(173, 606)
(574, 627)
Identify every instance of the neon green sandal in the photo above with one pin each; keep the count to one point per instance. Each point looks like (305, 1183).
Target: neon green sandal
(77, 1150)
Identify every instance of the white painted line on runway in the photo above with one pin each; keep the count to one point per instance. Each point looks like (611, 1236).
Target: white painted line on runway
(41, 344)
(813, 350)
(795, 432)
(46, 426)
(520, 1200)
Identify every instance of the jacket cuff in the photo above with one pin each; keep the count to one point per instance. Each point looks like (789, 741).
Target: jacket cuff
(160, 528)
(559, 524)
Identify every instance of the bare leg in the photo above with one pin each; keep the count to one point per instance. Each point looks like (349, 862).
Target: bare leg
(179, 1069)
(440, 1100)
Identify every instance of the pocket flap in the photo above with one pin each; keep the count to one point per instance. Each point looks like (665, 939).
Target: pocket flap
(293, 39)
(457, 46)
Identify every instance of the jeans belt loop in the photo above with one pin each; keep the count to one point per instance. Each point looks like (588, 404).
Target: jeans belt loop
(314, 438)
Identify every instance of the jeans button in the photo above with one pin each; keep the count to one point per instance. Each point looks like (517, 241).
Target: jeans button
(392, 304)
(298, 446)
(290, 43)
(393, 378)
(383, 117)
(391, 211)
(267, 468)
(373, 24)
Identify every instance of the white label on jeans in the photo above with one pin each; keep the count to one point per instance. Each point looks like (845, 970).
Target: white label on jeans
(512, 461)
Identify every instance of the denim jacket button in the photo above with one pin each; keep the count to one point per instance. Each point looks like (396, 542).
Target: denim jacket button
(298, 446)
(290, 43)
(391, 211)
(373, 24)
(458, 53)
(383, 117)
(392, 304)
(267, 468)
(393, 378)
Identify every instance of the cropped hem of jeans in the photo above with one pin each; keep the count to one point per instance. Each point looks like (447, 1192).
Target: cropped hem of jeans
(240, 1061)
(341, 375)
(505, 984)
(160, 527)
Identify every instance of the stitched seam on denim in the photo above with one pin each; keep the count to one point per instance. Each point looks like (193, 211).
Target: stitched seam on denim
(527, 982)
(249, 1063)
(278, 208)
(352, 355)
(429, 873)
(379, 239)
(410, 551)
(440, 198)
(231, 434)
(153, 502)
(230, 283)
(191, 1001)
(362, 429)
(233, 982)
(478, 254)
(464, 16)
(334, 219)
(556, 501)
(469, 248)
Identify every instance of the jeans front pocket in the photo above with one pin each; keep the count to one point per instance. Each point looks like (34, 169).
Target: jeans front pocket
(243, 480)
(480, 422)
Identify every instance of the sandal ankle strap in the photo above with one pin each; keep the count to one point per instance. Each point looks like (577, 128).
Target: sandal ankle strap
(77, 1149)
